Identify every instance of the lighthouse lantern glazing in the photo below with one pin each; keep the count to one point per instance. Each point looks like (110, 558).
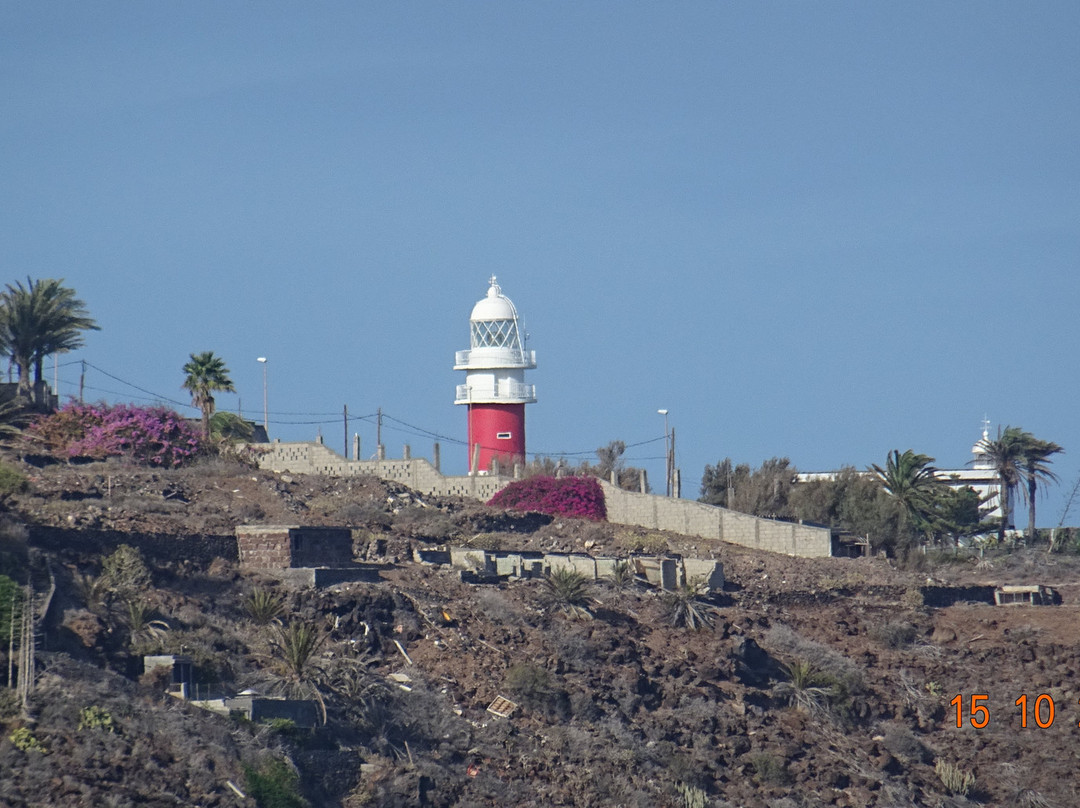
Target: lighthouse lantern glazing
(495, 390)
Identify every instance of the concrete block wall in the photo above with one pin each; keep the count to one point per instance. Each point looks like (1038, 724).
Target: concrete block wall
(416, 473)
(698, 519)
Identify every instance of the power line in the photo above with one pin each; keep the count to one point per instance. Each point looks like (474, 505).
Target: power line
(322, 418)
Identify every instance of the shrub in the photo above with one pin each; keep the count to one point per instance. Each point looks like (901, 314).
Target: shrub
(25, 741)
(955, 779)
(686, 610)
(94, 717)
(622, 576)
(125, 573)
(274, 785)
(12, 481)
(692, 796)
(532, 686)
(769, 770)
(578, 497)
(805, 689)
(568, 591)
(896, 634)
(154, 436)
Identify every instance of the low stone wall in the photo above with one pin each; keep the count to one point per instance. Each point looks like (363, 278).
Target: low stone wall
(159, 547)
(710, 522)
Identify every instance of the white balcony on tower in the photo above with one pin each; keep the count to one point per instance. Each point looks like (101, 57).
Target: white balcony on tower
(502, 391)
(477, 358)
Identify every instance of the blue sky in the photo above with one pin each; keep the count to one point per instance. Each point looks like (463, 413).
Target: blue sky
(818, 230)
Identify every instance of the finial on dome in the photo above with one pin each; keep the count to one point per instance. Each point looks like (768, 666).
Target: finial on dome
(494, 289)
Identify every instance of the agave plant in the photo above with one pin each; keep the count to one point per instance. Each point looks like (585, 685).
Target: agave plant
(805, 688)
(686, 608)
(622, 576)
(264, 607)
(567, 591)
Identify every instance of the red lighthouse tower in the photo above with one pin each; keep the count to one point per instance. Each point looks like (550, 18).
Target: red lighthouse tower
(495, 389)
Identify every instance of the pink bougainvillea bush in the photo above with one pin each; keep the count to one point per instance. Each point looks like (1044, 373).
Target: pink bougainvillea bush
(579, 497)
(154, 436)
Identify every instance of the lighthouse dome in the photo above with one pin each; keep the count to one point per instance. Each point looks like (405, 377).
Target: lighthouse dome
(494, 322)
(494, 306)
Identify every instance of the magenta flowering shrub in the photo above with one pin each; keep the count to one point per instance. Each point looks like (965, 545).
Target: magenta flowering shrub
(154, 436)
(579, 497)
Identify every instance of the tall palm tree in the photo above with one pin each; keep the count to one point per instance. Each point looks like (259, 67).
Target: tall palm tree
(44, 317)
(1036, 459)
(913, 482)
(1006, 456)
(206, 374)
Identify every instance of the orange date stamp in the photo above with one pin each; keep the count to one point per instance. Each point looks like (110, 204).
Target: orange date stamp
(1039, 711)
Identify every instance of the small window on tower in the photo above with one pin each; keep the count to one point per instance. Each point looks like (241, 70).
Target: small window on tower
(503, 436)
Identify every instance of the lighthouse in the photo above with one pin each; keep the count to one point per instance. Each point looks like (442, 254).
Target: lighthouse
(495, 390)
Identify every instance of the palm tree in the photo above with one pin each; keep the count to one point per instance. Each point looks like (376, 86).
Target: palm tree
(1006, 456)
(1036, 454)
(913, 482)
(296, 669)
(44, 317)
(206, 374)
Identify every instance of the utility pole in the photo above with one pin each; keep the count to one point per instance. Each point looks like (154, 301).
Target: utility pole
(82, 381)
(346, 443)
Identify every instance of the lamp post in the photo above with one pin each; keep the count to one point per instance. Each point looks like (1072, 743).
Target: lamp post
(667, 455)
(266, 412)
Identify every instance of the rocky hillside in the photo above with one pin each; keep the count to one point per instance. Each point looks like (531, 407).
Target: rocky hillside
(823, 682)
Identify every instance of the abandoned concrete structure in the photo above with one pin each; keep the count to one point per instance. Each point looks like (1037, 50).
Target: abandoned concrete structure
(1033, 595)
(664, 572)
(277, 547)
(302, 556)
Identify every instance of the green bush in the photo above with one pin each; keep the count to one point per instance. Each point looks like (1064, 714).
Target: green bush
(25, 741)
(94, 717)
(12, 481)
(274, 785)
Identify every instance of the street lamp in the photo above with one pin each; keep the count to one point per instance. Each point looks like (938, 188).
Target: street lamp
(667, 455)
(266, 413)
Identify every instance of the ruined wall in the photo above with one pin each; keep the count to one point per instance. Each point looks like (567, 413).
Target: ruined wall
(272, 547)
(665, 572)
